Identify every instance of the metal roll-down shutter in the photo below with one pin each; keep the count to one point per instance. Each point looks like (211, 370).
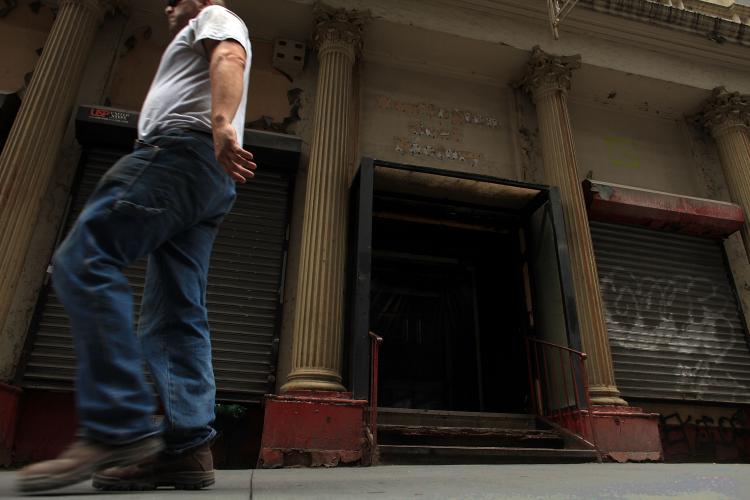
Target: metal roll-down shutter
(243, 295)
(675, 326)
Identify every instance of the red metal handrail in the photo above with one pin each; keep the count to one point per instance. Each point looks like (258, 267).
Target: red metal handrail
(375, 341)
(556, 402)
(556, 346)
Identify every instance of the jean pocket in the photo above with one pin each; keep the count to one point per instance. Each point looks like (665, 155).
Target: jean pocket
(148, 193)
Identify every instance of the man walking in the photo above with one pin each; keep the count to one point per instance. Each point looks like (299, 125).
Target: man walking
(166, 201)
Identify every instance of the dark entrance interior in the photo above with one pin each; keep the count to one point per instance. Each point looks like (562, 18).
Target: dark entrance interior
(448, 297)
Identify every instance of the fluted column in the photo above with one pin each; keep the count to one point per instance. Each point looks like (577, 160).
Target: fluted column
(319, 316)
(726, 115)
(28, 160)
(547, 79)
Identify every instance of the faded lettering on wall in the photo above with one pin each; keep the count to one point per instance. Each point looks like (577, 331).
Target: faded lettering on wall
(622, 152)
(436, 132)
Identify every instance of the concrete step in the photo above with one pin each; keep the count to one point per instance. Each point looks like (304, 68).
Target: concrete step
(427, 455)
(468, 436)
(439, 418)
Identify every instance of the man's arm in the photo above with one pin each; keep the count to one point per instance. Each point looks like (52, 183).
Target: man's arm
(227, 68)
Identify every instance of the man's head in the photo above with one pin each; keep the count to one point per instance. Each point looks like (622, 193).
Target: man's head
(180, 12)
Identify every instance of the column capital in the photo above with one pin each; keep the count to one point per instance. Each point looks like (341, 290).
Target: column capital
(724, 111)
(546, 73)
(339, 29)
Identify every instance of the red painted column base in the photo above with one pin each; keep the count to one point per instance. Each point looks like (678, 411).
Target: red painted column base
(313, 429)
(627, 434)
(10, 397)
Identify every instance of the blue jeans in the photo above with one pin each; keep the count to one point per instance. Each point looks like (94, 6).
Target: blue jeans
(165, 201)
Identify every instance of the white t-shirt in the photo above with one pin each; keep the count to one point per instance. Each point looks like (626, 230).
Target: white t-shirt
(180, 95)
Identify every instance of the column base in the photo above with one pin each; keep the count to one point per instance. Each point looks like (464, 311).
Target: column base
(627, 434)
(313, 379)
(10, 397)
(313, 429)
(603, 395)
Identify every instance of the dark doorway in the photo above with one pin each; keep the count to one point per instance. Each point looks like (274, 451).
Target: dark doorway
(454, 270)
(447, 296)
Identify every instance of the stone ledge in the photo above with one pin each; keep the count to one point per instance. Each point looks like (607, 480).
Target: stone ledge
(717, 28)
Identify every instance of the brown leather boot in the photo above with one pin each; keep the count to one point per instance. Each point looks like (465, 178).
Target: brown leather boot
(191, 470)
(81, 460)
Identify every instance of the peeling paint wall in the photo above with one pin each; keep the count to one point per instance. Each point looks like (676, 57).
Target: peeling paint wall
(22, 36)
(271, 95)
(269, 88)
(526, 138)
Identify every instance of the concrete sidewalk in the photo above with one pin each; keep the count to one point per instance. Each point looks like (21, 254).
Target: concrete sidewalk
(558, 482)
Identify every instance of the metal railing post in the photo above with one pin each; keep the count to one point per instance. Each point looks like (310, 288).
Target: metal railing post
(589, 412)
(373, 414)
(532, 384)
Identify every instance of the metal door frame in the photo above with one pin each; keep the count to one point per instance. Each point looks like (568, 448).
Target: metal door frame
(359, 261)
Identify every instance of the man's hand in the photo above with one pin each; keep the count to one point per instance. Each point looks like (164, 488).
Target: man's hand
(236, 161)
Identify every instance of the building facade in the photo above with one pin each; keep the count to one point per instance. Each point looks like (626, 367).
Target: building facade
(446, 175)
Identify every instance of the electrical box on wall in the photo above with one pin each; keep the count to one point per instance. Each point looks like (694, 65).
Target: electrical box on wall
(289, 57)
